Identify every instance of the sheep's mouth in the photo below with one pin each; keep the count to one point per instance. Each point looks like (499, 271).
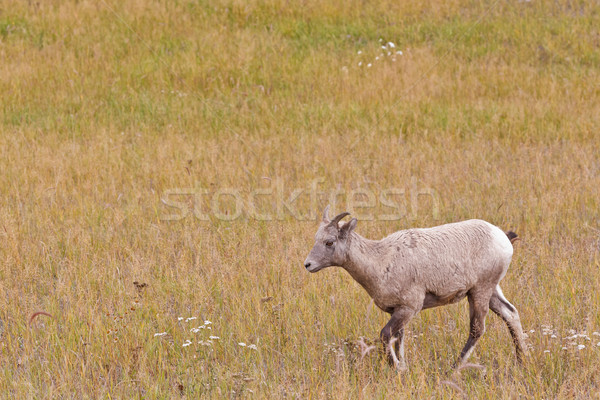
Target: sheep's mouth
(313, 269)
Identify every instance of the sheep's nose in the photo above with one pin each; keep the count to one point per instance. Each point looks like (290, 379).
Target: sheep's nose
(306, 264)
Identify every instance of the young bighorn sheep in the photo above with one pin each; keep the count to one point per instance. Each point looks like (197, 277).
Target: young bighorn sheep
(415, 269)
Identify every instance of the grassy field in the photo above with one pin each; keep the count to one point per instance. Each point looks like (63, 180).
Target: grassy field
(163, 161)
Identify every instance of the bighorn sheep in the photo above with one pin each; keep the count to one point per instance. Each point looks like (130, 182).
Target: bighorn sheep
(415, 269)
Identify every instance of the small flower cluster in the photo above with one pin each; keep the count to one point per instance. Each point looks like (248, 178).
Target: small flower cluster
(188, 319)
(206, 325)
(250, 346)
(175, 92)
(548, 330)
(573, 340)
(387, 50)
(207, 341)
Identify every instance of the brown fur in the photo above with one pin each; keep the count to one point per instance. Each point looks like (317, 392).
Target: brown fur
(512, 237)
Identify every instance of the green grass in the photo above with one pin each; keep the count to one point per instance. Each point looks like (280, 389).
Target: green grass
(107, 106)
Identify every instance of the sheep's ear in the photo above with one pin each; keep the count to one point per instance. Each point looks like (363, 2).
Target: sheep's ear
(326, 214)
(347, 228)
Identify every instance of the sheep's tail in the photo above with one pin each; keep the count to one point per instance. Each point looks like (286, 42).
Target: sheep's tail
(513, 237)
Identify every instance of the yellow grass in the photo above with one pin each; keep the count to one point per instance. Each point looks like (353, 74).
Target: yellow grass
(108, 107)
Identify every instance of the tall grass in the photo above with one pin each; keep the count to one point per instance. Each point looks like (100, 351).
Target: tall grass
(106, 106)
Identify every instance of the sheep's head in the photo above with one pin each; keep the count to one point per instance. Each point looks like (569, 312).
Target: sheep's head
(331, 243)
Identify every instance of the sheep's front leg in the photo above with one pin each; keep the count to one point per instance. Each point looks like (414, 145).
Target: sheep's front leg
(392, 337)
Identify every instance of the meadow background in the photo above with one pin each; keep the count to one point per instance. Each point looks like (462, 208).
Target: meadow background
(494, 107)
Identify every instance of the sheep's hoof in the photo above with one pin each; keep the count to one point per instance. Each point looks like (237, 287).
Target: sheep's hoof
(399, 366)
(402, 368)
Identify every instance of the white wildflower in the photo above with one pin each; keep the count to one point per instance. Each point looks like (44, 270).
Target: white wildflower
(360, 52)
(376, 58)
(187, 343)
(214, 337)
(207, 322)
(190, 319)
(564, 348)
(391, 45)
(532, 331)
(369, 65)
(160, 334)
(578, 335)
(546, 351)
(581, 347)
(242, 344)
(360, 63)
(553, 336)
(399, 52)
(253, 347)
(180, 319)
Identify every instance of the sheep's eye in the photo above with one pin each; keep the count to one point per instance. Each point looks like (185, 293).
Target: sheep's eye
(329, 243)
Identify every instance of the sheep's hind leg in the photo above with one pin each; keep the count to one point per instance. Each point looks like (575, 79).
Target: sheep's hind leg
(392, 337)
(478, 308)
(509, 314)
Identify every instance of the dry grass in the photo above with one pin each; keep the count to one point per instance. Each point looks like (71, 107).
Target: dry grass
(108, 105)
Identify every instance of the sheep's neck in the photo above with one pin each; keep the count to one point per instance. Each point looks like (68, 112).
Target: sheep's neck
(364, 263)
